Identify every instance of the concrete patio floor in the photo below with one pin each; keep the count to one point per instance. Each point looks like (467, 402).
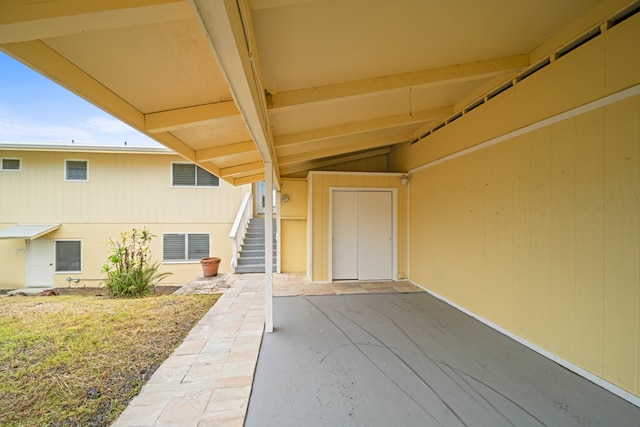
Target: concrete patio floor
(207, 380)
(339, 358)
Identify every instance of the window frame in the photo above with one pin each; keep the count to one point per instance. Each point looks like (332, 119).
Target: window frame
(2, 168)
(55, 256)
(173, 185)
(186, 259)
(66, 177)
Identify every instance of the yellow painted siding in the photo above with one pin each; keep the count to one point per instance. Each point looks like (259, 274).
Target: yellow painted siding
(294, 226)
(320, 195)
(124, 190)
(370, 164)
(540, 233)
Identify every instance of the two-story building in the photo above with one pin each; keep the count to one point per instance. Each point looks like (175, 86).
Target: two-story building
(62, 203)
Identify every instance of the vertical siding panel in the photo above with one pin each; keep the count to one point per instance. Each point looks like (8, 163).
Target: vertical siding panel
(622, 246)
(541, 237)
(590, 61)
(564, 83)
(563, 236)
(589, 240)
(492, 241)
(522, 284)
(329, 181)
(318, 229)
(505, 224)
(418, 214)
(501, 106)
(623, 55)
(533, 98)
(454, 225)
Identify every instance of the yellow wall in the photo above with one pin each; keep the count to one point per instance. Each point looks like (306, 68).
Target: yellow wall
(540, 233)
(294, 226)
(124, 191)
(320, 184)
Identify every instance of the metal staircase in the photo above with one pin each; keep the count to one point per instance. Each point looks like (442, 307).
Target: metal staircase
(251, 257)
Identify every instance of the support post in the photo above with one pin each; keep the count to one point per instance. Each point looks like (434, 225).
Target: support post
(268, 247)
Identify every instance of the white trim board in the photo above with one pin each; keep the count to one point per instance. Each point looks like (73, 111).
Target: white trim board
(620, 392)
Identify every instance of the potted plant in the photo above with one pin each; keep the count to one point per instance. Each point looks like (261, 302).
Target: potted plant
(210, 266)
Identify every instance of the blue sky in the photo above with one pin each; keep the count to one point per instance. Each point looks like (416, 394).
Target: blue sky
(34, 109)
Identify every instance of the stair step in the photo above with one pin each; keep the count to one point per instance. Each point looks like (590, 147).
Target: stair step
(253, 261)
(256, 268)
(252, 253)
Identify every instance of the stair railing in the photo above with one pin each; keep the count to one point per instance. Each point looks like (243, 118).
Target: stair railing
(239, 228)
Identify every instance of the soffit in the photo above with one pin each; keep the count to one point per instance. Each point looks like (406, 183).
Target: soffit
(295, 83)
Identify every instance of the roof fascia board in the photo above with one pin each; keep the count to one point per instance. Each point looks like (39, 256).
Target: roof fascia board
(84, 148)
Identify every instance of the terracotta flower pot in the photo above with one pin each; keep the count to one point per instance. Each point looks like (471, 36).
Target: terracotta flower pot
(210, 266)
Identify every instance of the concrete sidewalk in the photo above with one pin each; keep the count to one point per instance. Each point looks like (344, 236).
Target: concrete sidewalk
(207, 380)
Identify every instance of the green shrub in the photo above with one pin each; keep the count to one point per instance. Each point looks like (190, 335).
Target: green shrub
(130, 271)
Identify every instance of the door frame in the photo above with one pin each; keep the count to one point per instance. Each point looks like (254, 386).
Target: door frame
(30, 280)
(394, 226)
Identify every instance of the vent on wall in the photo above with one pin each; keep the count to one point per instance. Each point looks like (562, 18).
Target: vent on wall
(624, 15)
(578, 42)
(621, 16)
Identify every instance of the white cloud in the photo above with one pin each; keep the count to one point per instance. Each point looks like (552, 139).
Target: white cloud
(107, 124)
(16, 130)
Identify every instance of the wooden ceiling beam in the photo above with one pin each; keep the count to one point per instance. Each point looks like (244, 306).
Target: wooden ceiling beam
(342, 149)
(312, 165)
(240, 169)
(268, 4)
(22, 21)
(248, 179)
(167, 121)
(225, 150)
(425, 78)
(362, 127)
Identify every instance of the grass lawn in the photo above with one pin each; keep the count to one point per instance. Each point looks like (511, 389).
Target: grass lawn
(78, 360)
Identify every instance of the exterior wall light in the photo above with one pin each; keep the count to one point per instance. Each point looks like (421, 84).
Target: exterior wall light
(404, 179)
(285, 198)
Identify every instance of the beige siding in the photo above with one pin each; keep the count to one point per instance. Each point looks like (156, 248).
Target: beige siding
(540, 233)
(124, 190)
(320, 184)
(293, 250)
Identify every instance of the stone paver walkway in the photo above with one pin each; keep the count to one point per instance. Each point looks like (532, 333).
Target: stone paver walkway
(207, 380)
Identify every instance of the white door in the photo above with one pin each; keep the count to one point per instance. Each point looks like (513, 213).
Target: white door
(40, 263)
(345, 235)
(362, 235)
(375, 235)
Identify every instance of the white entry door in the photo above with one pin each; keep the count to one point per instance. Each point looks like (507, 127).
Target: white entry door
(362, 241)
(39, 263)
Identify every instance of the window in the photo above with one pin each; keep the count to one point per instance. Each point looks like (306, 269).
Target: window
(76, 170)
(68, 256)
(185, 247)
(190, 175)
(10, 164)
